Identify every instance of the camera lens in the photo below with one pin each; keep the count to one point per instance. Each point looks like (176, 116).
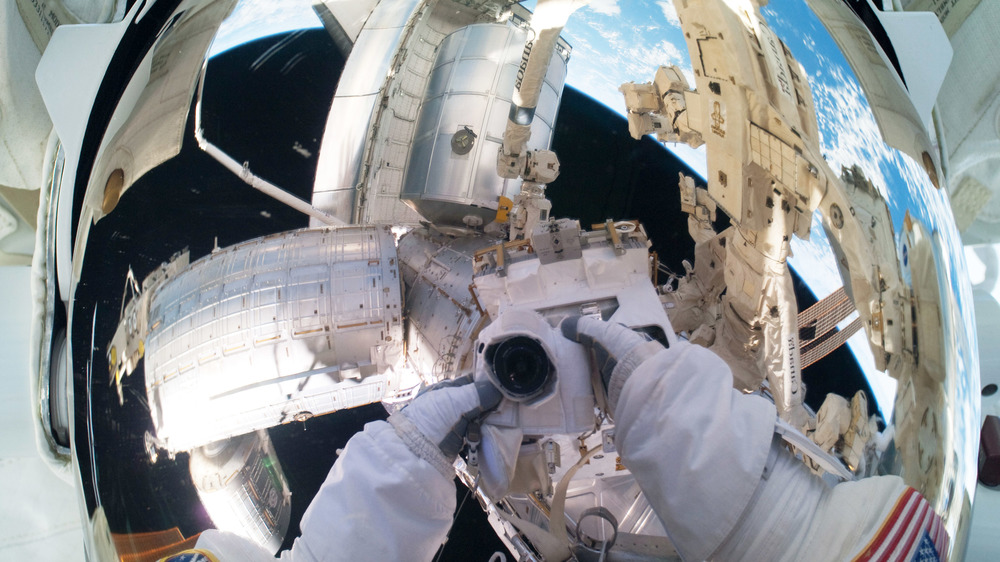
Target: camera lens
(520, 365)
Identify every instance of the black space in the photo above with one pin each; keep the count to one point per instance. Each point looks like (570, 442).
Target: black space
(262, 109)
(191, 202)
(638, 180)
(606, 174)
(838, 372)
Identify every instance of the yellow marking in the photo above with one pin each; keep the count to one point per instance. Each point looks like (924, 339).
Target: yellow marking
(719, 120)
(510, 244)
(504, 205)
(604, 225)
(182, 555)
(475, 298)
(616, 240)
(877, 320)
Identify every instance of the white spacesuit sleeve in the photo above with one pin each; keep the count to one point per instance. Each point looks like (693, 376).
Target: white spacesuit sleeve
(795, 516)
(726, 488)
(379, 502)
(697, 447)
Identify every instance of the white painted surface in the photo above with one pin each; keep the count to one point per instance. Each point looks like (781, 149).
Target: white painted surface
(40, 519)
(924, 54)
(984, 273)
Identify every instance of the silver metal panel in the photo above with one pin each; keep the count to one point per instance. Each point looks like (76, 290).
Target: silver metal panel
(474, 76)
(555, 76)
(443, 318)
(440, 78)
(243, 489)
(388, 146)
(482, 41)
(463, 111)
(368, 65)
(471, 86)
(448, 51)
(341, 153)
(148, 124)
(351, 112)
(278, 328)
(351, 14)
(548, 104)
(337, 202)
(390, 14)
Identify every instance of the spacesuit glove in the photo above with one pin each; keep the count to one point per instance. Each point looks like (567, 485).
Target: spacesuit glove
(617, 350)
(435, 424)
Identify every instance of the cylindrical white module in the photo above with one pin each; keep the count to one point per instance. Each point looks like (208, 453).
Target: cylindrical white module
(272, 330)
(452, 175)
(443, 316)
(243, 489)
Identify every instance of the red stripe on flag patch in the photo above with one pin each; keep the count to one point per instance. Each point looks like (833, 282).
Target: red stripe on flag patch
(900, 534)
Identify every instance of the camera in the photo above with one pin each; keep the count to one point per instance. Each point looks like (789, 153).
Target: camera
(520, 367)
(544, 376)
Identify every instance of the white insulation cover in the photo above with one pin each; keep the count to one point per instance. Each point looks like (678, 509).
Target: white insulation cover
(272, 330)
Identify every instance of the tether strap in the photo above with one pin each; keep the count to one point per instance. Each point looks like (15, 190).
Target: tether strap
(557, 519)
(598, 384)
(552, 544)
(600, 512)
(810, 449)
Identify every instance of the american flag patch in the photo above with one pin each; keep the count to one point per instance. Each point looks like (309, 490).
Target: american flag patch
(912, 532)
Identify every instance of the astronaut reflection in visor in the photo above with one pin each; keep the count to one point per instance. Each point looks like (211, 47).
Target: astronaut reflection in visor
(706, 457)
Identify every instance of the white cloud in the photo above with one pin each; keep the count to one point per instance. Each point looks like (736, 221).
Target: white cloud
(606, 54)
(697, 158)
(814, 260)
(669, 12)
(252, 19)
(848, 132)
(612, 36)
(606, 7)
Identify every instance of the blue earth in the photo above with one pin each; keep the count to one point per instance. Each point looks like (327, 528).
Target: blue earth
(196, 204)
(616, 42)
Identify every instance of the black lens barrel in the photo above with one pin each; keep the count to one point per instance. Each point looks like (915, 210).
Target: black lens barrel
(521, 366)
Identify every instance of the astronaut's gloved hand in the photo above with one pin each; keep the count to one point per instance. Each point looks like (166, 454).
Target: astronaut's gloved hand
(435, 424)
(617, 350)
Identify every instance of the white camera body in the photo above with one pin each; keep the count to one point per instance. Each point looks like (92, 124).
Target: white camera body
(569, 272)
(564, 403)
